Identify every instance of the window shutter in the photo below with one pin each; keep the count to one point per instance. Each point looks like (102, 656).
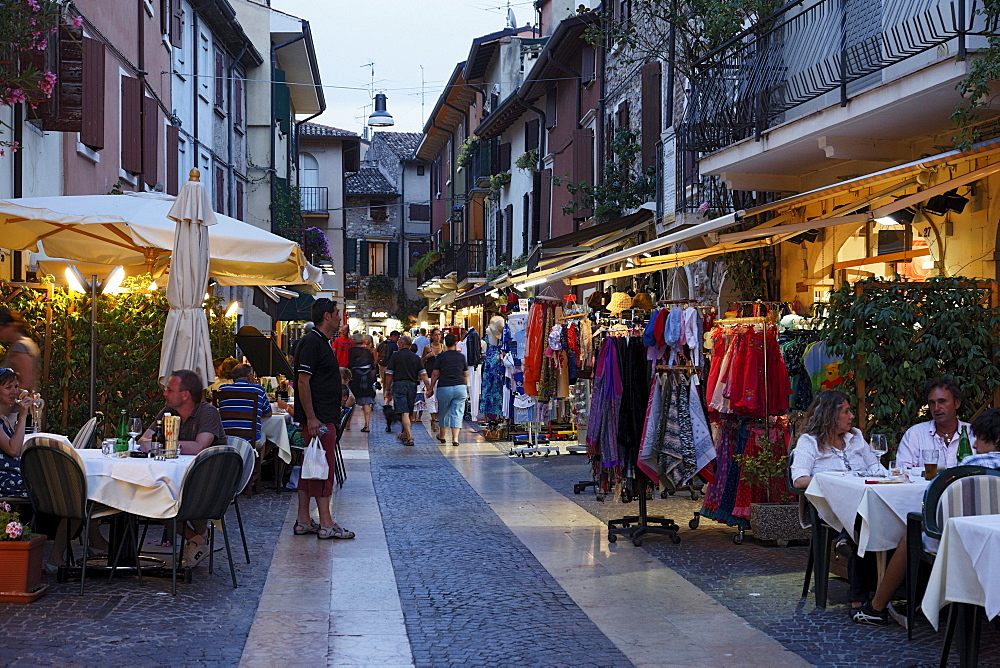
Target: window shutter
(531, 135)
(220, 80)
(350, 254)
(150, 140)
(509, 222)
(392, 262)
(363, 258)
(623, 118)
(239, 200)
(536, 211)
(220, 190)
(551, 108)
(651, 112)
(177, 24)
(63, 112)
(238, 100)
(420, 212)
(588, 64)
(583, 161)
(92, 126)
(545, 209)
(494, 145)
(505, 157)
(282, 101)
(131, 124)
(609, 136)
(172, 166)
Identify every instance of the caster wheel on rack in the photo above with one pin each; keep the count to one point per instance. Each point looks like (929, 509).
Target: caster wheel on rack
(738, 538)
(577, 489)
(612, 538)
(695, 495)
(675, 539)
(637, 542)
(693, 523)
(599, 497)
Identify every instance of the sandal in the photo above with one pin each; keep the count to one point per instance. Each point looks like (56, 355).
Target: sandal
(441, 439)
(335, 531)
(455, 443)
(365, 429)
(301, 529)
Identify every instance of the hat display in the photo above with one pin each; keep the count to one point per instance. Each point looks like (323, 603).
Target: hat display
(619, 302)
(643, 301)
(596, 300)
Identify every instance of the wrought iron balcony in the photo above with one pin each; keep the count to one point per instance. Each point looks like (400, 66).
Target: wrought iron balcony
(483, 165)
(769, 73)
(313, 199)
(470, 260)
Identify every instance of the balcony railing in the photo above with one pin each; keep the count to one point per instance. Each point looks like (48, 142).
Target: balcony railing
(483, 165)
(470, 260)
(801, 54)
(314, 199)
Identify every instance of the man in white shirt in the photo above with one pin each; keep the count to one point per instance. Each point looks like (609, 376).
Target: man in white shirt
(942, 433)
(421, 342)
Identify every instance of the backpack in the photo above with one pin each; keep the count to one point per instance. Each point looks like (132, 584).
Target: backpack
(383, 353)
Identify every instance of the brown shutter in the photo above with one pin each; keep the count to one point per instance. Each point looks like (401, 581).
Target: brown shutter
(172, 158)
(150, 140)
(63, 112)
(505, 157)
(92, 126)
(220, 81)
(220, 190)
(238, 100)
(239, 200)
(651, 112)
(531, 135)
(551, 107)
(131, 124)
(177, 24)
(545, 207)
(583, 162)
(588, 64)
(609, 136)
(623, 120)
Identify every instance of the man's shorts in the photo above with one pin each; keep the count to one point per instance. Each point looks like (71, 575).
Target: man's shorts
(404, 395)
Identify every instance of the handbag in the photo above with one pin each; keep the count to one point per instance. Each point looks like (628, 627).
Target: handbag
(314, 464)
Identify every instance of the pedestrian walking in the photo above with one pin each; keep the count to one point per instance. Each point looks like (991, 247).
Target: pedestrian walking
(402, 374)
(361, 362)
(450, 382)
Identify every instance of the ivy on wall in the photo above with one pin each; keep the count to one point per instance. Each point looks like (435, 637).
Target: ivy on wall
(129, 333)
(895, 336)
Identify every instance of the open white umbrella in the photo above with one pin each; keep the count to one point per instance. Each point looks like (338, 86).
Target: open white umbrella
(185, 336)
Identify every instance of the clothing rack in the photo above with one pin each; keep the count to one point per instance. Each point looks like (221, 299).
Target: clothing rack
(637, 526)
(694, 490)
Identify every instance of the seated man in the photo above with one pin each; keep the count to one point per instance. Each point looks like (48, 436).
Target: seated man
(201, 427)
(942, 433)
(986, 429)
(244, 382)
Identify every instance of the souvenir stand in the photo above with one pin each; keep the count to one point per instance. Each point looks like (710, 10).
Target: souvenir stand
(748, 400)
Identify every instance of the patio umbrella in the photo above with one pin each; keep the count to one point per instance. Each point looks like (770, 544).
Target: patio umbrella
(133, 230)
(185, 336)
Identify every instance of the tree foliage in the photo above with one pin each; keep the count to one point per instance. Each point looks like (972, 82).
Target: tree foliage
(975, 87)
(623, 186)
(895, 336)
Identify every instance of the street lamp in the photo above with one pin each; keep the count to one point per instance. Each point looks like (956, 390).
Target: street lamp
(77, 283)
(380, 118)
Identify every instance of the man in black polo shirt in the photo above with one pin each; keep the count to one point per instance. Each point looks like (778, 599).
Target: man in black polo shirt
(318, 392)
(401, 376)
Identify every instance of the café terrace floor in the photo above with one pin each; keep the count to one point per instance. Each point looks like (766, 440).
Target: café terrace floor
(466, 555)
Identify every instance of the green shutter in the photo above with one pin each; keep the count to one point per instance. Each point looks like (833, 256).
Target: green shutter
(363, 259)
(350, 254)
(393, 260)
(282, 101)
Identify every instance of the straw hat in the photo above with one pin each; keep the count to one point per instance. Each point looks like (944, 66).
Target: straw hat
(643, 301)
(619, 302)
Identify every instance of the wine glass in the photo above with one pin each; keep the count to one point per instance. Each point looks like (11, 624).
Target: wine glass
(134, 429)
(880, 445)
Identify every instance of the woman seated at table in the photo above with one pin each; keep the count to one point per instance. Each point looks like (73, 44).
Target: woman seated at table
(13, 416)
(829, 442)
(986, 429)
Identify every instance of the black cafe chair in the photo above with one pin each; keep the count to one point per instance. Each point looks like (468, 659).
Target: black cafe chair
(249, 456)
(960, 491)
(57, 485)
(206, 491)
(821, 536)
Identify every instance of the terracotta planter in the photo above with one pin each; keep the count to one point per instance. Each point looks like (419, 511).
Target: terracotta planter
(21, 570)
(777, 521)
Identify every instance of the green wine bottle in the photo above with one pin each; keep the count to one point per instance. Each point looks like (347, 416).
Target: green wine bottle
(121, 438)
(964, 446)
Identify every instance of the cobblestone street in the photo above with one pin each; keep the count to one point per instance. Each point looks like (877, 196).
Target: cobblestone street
(467, 556)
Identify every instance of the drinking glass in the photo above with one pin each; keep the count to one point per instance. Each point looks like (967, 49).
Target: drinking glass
(108, 447)
(134, 429)
(880, 446)
(895, 470)
(929, 458)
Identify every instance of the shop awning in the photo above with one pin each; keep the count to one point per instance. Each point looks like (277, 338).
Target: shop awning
(472, 294)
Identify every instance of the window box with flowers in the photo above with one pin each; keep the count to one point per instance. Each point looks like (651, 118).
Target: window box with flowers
(527, 160)
(381, 287)
(498, 181)
(466, 150)
(20, 560)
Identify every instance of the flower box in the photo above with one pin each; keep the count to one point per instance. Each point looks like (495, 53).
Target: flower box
(21, 570)
(777, 521)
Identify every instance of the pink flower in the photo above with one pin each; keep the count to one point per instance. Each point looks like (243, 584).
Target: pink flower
(14, 529)
(4, 506)
(47, 83)
(703, 207)
(15, 146)
(34, 5)
(77, 21)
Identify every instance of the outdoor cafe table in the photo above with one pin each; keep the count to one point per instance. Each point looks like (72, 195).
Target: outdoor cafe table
(276, 433)
(139, 485)
(966, 571)
(842, 498)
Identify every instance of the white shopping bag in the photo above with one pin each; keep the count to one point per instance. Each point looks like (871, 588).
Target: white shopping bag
(314, 464)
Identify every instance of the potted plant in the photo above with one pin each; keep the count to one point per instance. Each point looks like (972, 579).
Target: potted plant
(20, 560)
(498, 181)
(466, 150)
(777, 517)
(527, 160)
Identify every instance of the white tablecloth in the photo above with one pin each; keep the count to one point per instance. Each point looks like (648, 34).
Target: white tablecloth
(840, 498)
(143, 486)
(967, 567)
(275, 432)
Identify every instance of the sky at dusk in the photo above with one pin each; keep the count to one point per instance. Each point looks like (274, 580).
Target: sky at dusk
(398, 36)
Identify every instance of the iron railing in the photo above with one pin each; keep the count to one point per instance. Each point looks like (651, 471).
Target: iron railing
(470, 260)
(810, 50)
(483, 165)
(313, 199)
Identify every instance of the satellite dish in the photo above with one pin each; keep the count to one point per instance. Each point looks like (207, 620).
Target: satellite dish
(511, 21)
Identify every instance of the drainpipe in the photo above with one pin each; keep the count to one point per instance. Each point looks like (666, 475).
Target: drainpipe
(141, 71)
(274, 133)
(231, 198)
(194, 98)
(671, 58)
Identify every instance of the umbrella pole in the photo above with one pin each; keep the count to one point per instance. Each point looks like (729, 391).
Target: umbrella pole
(93, 344)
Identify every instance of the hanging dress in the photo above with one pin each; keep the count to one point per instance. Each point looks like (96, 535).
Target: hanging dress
(491, 397)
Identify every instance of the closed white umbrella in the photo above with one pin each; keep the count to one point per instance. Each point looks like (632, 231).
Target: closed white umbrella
(185, 336)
